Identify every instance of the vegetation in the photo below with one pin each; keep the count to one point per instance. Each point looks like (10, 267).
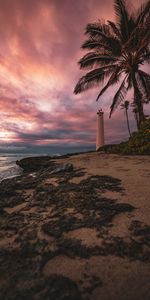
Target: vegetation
(138, 143)
(116, 53)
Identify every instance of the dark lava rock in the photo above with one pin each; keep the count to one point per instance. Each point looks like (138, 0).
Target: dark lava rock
(141, 231)
(53, 211)
(55, 287)
(32, 164)
(63, 168)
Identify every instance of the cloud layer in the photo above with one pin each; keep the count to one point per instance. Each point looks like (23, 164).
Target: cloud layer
(39, 48)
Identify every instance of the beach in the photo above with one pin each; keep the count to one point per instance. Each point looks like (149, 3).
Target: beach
(76, 227)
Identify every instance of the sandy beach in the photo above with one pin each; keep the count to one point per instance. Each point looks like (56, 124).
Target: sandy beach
(82, 233)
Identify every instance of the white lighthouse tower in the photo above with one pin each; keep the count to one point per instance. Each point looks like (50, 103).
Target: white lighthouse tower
(100, 129)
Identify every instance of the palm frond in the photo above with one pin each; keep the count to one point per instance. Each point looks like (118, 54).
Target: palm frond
(129, 82)
(91, 79)
(138, 96)
(94, 44)
(92, 59)
(146, 57)
(115, 29)
(145, 84)
(138, 41)
(103, 34)
(119, 97)
(125, 105)
(114, 45)
(114, 78)
(122, 19)
(142, 13)
(143, 42)
(140, 34)
(97, 29)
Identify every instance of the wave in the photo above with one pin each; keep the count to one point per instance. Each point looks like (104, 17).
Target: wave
(10, 172)
(8, 167)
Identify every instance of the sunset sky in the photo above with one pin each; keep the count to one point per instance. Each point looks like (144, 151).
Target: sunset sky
(39, 49)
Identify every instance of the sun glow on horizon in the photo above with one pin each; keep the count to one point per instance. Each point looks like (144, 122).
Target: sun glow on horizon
(7, 136)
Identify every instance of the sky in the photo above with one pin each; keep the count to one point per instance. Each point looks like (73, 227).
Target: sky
(40, 43)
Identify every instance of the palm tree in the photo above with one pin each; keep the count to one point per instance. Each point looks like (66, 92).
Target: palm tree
(125, 106)
(116, 53)
(135, 111)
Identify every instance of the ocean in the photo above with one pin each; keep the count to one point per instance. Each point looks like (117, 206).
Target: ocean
(8, 167)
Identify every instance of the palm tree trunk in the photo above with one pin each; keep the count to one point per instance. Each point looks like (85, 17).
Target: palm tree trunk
(138, 101)
(128, 122)
(136, 117)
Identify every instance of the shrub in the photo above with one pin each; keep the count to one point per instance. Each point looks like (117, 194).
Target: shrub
(138, 143)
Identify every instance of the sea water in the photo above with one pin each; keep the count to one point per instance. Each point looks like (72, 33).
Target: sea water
(8, 167)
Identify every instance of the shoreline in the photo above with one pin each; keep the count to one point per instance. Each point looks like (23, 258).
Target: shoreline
(43, 161)
(76, 226)
(31, 158)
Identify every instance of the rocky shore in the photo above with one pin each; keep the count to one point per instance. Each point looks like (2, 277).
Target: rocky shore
(76, 228)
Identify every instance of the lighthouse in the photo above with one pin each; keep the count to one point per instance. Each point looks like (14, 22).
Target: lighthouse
(100, 129)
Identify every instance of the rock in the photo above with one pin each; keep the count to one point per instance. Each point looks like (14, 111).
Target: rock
(33, 175)
(63, 168)
(1, 210)
(33, 164)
